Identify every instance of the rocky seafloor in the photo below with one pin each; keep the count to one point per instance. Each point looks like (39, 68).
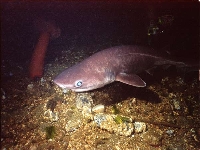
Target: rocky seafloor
(39, 115)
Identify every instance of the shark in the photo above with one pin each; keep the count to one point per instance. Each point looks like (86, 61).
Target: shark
(119, 63)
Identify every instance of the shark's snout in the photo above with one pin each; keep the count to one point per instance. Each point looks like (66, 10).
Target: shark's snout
(58, 83)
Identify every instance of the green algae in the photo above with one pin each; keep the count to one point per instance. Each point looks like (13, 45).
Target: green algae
(50, 132)
(120, 119)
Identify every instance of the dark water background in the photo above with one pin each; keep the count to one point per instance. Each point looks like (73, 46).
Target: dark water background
(95, 23)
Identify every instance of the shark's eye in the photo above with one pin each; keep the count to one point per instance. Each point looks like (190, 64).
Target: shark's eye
(78, 83)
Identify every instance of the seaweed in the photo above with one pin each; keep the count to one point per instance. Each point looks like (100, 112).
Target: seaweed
(120, 119)
(50, 132)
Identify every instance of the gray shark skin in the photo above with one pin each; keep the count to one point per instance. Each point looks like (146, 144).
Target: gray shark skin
(120, 63)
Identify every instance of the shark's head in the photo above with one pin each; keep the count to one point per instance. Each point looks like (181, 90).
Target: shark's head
(80, 79)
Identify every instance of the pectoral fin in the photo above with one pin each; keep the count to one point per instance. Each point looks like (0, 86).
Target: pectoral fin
(131, 79)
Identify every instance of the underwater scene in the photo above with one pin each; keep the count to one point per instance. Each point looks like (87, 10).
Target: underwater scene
(100, 75)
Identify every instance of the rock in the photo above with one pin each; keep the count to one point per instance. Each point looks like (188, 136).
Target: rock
(30, 87)
(170, 132)
(83, 100)
(99, 118)
(107, 122)
(140, 127)
(52, 116)
(176, 104)
(98, 108)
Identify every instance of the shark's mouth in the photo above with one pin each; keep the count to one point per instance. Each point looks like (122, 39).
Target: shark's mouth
(81, 88)
(75, 89)
(61, 85)
(84, 89)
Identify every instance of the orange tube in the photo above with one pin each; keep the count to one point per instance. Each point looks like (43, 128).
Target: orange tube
(37, 61)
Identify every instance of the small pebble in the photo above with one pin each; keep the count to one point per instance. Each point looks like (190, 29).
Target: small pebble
(30, 87)
(176, 104)
(98, 108)
(170, 132)
(140, 127)
(65, 91)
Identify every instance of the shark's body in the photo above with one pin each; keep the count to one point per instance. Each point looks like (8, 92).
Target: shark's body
(120, 63)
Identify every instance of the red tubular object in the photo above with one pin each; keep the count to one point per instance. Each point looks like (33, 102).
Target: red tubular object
(48, 30)
(37, 62)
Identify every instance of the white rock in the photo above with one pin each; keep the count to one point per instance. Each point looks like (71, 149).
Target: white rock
(140, 127)
(98, 108)
(30, 86)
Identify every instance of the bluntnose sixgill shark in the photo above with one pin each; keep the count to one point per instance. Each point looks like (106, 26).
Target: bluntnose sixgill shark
(120, 63)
